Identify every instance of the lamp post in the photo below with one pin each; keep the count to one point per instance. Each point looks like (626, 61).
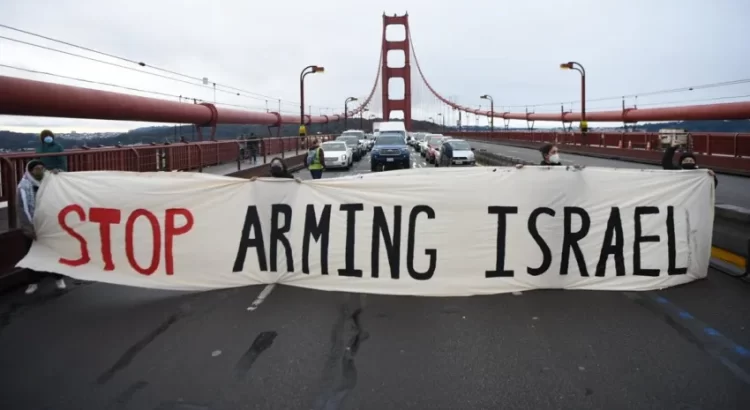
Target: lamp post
(346, 111)
(442, 128)
(305, 71)
(572, 65)
(492, 113)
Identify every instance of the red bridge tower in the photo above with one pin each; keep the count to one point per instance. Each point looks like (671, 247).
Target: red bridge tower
(404, 72)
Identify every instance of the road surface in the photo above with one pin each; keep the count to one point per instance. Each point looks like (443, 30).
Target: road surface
(104, 347)
(732, 190)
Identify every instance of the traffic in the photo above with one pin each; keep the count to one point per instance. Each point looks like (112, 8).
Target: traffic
(391, 146)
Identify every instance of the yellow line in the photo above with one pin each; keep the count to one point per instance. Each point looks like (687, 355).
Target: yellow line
(728, 257)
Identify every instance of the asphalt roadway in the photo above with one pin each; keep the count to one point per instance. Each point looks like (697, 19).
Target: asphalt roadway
(732, 189)
(103, 347)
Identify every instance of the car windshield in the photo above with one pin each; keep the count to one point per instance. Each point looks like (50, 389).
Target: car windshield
(460, 145)
(437, 141)
(358, 134)
(390, 139)
(334, 146)
(349, 139)
(419, 137)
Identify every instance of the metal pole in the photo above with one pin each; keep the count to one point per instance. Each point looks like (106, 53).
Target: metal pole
(492, 117)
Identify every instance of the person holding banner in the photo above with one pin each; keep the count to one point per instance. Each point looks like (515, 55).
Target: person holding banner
(315, 160)
(687, 161)
(550, 155)
(27, 190)
(279, 169)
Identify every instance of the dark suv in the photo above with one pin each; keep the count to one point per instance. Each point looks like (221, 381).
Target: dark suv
(390, 151)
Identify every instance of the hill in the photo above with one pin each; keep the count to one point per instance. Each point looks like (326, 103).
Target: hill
(13, 141)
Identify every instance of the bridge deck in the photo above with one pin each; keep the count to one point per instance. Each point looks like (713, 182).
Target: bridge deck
(99, 346)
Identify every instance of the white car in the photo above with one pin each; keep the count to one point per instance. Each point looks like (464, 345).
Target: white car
(337, 154)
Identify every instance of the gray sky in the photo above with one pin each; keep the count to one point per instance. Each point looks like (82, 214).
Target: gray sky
(508, 49)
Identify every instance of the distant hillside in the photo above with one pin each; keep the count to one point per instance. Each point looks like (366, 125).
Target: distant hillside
(13, 141)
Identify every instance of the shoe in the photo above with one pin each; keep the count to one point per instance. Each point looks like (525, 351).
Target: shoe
(60, 283)
(32, 288)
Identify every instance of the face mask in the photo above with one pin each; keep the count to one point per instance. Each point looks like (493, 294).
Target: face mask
(48, 139)
(554, 158)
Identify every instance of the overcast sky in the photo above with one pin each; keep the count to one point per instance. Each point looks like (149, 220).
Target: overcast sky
(508, 49)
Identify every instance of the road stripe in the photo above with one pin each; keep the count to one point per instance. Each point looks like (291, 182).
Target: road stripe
(729, 257)
(261, 297)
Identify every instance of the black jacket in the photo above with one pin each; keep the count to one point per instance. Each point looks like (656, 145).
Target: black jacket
(667, 162)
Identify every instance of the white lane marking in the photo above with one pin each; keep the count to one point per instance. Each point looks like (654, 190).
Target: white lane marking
(517, 293)
(261, 297)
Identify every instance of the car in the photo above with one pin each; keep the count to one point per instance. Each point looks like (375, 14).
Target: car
(390, 151)
(425, 144)
(351, 139)
(417, 142)
(337, 154)
(433, 146)
(455, 152)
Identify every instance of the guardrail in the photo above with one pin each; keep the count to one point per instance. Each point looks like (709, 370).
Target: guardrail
(723, 152)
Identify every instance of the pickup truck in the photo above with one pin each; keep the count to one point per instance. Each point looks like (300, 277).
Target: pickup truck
(390, 151)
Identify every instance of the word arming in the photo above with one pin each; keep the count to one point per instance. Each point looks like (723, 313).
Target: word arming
(317, 227)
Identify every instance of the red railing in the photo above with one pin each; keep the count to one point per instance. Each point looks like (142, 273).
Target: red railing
(725, 151)
(714, 143)
(193, 156)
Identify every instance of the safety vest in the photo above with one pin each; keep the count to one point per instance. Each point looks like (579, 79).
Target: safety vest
(313, 162)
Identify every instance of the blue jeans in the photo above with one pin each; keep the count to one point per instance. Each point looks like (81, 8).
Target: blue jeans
(316, 173)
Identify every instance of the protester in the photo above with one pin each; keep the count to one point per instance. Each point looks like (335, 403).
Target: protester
(49, 144)
(279, 169)
(550, 155)
(26, 203)
(315, 161)
(687, 161)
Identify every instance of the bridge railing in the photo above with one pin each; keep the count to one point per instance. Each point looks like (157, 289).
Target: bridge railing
(714, 143)
(180, 156)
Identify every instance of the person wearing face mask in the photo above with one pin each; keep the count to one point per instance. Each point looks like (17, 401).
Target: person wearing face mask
(27, 190)
(550, 155)
(687, 161)
(48, 144)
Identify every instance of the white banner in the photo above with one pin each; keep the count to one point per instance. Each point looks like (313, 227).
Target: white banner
(431, 232)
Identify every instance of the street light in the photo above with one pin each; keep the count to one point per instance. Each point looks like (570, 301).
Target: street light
(305, 71)
(442, 128)
(346, 111)
(572, 65)
(492, 113)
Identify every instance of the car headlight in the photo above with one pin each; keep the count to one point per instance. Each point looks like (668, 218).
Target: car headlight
(343, 157)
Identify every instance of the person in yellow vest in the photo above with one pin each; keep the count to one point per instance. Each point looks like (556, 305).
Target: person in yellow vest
(315, 160)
